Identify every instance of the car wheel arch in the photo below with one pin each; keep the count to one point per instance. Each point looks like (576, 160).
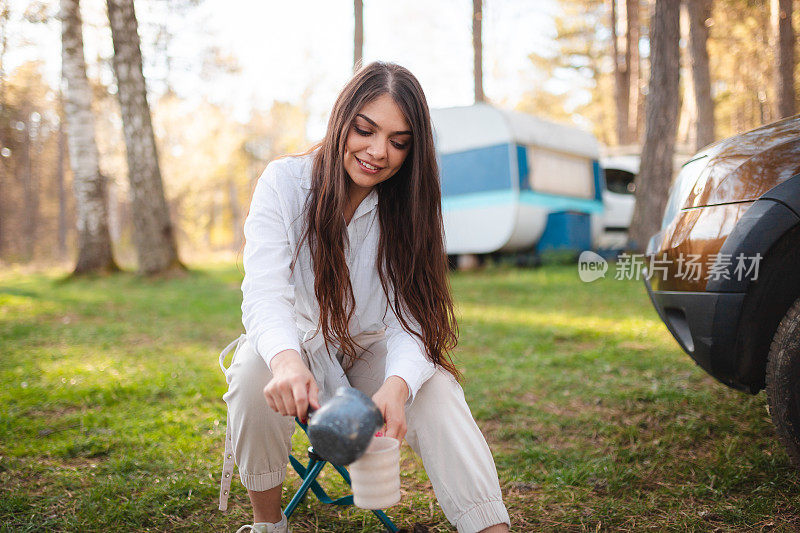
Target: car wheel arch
(768, 299)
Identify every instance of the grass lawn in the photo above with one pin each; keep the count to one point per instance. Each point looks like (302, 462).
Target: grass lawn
(112, 417)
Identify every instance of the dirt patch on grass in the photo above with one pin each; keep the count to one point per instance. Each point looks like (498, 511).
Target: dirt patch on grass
(55, 412)
(505, 440)
(635, 346)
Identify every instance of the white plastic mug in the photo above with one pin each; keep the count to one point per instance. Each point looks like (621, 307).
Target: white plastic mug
(376, 475)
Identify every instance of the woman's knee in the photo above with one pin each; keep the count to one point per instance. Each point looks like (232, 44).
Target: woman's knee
(259, 434)
(247, 375)
(439, 404)
(440, 389)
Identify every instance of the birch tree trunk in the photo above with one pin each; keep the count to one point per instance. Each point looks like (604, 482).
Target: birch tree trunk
(94, 242)
(477, 49)
(784, 52)
(699, 13)
(153, 233)
(655, 174)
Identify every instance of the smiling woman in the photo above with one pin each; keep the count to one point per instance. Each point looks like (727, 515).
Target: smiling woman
(370, 305)
(376, 147)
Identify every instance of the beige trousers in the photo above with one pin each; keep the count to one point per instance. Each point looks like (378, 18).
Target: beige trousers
(441, 431)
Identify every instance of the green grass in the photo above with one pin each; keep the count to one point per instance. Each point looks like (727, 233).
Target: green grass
(112, 417)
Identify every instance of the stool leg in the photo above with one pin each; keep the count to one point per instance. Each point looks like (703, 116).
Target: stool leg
(386, 521)
(343, 472)
(313, 470)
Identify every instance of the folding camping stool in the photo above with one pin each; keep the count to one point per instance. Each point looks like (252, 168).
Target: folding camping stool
(309, 475)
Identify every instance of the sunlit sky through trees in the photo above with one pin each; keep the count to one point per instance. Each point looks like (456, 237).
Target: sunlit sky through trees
(284, 50)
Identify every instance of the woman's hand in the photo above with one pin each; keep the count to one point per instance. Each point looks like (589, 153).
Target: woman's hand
(391, 400)
(292, 387)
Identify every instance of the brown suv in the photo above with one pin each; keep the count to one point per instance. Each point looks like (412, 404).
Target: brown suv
(724, 271)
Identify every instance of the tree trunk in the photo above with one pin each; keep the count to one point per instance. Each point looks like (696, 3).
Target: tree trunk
(114, 218)
(94, 243)
(655, 174)
(236, 215)
(212, 220)
(687, 115)
(358, 34)
(477, 49)
(632, 53)
(784, 56)
(153, 237)
(622, 78)
(5, 13)
(62, 191)
(699, 13)
(618, 71)
(29, 190)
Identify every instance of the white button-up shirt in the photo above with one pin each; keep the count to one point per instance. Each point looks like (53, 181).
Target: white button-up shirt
(279, 307)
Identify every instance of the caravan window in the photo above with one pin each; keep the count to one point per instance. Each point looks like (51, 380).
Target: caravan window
(558, 173)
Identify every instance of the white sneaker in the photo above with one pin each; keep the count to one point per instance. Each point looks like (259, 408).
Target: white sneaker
(267, 527)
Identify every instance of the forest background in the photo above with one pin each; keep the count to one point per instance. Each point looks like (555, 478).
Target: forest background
(583, 62)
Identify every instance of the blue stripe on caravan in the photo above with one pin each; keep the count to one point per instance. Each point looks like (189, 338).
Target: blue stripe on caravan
(478, 200)
(476, 171)
(560, 203)
(549, 201)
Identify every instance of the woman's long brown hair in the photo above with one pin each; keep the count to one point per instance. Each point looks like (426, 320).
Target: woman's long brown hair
(411, 262)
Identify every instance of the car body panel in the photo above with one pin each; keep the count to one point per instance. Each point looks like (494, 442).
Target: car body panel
(748, 165)
(700, 322)
(755, 233)
(698, 234)
(743, 203)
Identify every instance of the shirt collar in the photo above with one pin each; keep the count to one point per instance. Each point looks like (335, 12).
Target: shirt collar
(366, 205)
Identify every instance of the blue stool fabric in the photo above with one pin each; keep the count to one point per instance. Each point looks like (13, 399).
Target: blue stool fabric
(309, 473)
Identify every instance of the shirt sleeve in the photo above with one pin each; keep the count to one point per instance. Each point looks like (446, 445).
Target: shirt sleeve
(268, 296)
(406, 353)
